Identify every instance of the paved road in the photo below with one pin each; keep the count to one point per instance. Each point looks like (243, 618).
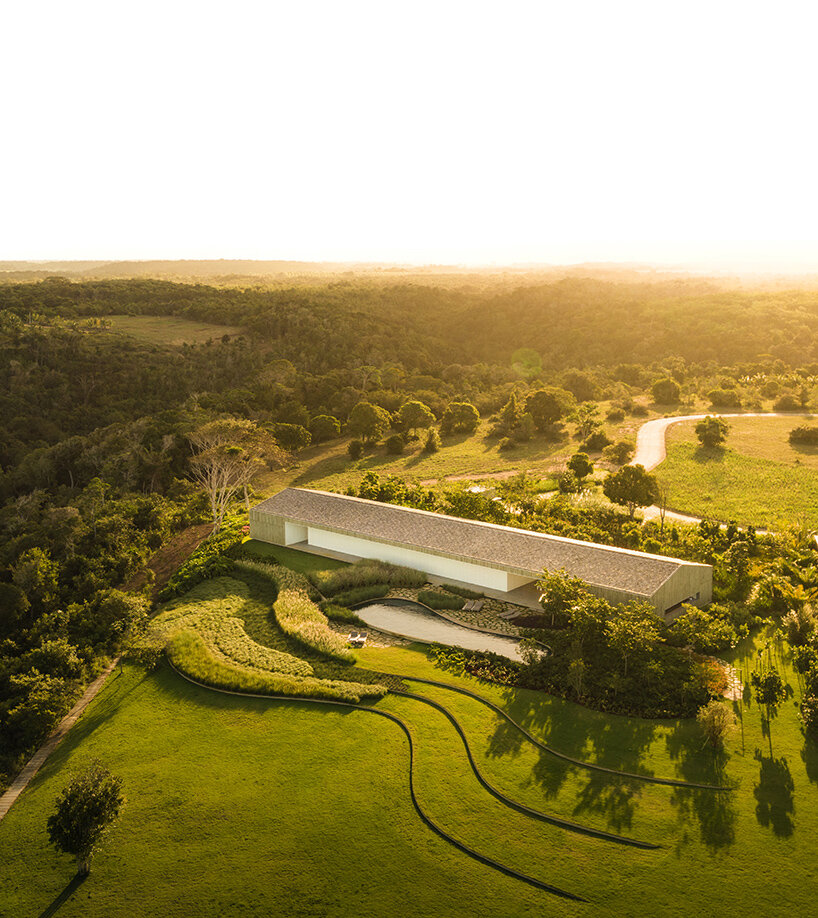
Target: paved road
(650, 449)
(650, 441)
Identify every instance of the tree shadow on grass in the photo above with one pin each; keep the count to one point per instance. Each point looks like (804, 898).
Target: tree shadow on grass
(774, 792)
(614, 799)
(705, 454)
(74, 884)
(809, 755)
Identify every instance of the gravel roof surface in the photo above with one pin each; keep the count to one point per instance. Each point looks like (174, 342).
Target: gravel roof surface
(529, 552)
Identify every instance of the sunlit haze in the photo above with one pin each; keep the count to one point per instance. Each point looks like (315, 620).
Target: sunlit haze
(672, 133)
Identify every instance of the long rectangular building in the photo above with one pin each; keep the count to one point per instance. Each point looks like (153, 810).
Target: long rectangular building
(501, 559)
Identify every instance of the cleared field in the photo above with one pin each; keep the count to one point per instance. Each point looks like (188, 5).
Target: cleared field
(757, 479)
(169, 330)
(327, 465)
(250, 807)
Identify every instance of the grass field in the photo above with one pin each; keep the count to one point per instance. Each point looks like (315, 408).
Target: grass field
(168, 330)
(758, 478)
(250, 807)
(327, 465)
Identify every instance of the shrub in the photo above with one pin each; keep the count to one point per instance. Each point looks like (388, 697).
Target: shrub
(361, 594)
(505, 444)
(615, 415)
(460, 417)
(568, 483)
(337, 613)
(440, 600)
(394, 444)
(596, 442)
(620, 452)
(666, 391)
(432, 444)
(787, 402)
(804, 436)
(355, 449)
(724, 398)
(292, 436)
(462, 591)
(484, 665)
(364, 573)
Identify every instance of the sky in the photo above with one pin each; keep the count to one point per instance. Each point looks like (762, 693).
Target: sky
(444, 132)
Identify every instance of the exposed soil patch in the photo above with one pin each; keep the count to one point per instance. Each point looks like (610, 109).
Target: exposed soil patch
(169, 559)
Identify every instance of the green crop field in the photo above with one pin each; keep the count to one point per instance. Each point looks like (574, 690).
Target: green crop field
(759, 478)
(240, 806)
(169, 330)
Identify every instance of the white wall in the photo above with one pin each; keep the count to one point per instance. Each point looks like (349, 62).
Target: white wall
(450, 568)
(294, 533)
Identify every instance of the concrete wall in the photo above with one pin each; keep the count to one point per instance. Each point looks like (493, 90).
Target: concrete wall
(266, 527)
(450, 568)
(691, 583)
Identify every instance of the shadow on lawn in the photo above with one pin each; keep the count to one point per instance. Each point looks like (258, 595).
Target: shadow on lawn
(809, 755)
(774, 792)
(74, 884)
(714, 811)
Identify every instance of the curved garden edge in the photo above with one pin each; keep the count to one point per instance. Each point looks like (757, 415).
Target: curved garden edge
(425, 818)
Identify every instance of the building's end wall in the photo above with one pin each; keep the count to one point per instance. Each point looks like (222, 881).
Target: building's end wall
(266, 527)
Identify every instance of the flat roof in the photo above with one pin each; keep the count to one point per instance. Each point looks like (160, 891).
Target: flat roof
(518, 550)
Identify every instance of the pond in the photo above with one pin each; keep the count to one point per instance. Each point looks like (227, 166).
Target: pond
(410, 620)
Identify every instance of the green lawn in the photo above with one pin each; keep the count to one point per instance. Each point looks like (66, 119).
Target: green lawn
(758, 478)
(169, 330)
(250, 807)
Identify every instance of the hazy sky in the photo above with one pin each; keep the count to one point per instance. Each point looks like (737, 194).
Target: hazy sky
(415, 132)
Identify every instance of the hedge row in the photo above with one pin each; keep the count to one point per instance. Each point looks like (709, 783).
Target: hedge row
(440, 600)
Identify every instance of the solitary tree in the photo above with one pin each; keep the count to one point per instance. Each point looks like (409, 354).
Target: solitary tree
(580, 465)
(586, 417)
(666, 391)
(227, 456)
(631, 487)
(548, 405)
(415, 416)
(368, 421)
(770, 691)
(460, 417)
(716, 721)
(712, 431)
(85, 811)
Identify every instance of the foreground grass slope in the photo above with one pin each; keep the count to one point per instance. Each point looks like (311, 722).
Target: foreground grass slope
(242, 806)
(758, 478)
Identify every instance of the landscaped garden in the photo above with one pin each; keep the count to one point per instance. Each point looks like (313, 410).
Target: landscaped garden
(255, 806)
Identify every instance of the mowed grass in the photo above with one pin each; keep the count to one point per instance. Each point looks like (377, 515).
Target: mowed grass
(249, 807)
(758, 478)
(169, 330)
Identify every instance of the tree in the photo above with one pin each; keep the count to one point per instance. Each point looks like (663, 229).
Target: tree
(292, 436)
(37, 576)
(510, 416)
(355, 449)
(227, 456)
(324, 427)
(548, 405)
(415, 416)
(666, 391)
(716, 721)
(586, 417)
(460, 417)
(432, 444)
(559, 591)
(580, 465)
(620, 452)
(632, 631)
(712, 431)
(85, 811)
(631, 487)
(769, 690)
(369, 422)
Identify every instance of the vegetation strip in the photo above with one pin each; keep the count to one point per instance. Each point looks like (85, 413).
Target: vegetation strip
(521, 807)
(670, 782)
(482, 858)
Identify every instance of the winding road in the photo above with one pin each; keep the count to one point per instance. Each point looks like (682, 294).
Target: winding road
(651, 450)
